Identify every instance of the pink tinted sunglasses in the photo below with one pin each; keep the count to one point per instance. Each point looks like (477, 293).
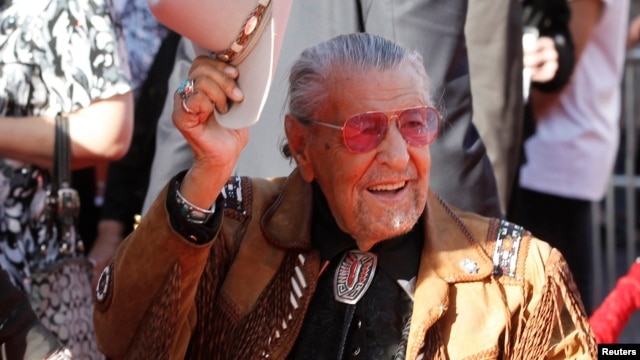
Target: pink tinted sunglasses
(363, 132)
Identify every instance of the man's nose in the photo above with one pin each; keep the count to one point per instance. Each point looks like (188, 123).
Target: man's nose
(394, 149)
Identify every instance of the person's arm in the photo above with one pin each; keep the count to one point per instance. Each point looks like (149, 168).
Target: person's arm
(172, 153)
(552, 57)
(227, 13)
(156, 270)
(572, 337)
(585, 15)
(154, 275)
(99, 132)
(614, 312)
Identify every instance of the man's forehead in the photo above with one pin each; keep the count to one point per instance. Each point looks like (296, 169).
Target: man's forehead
(375, 91)
(374, 79)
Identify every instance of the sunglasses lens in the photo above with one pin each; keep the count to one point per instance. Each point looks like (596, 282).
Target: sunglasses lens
(419, 126)
(363, 132)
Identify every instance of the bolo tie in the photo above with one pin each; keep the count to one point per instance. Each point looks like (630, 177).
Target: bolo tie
(353, 277)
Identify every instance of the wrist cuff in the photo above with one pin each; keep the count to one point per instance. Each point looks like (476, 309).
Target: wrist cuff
(191, 212)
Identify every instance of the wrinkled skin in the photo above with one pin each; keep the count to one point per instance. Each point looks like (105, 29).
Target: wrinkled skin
(375, 195)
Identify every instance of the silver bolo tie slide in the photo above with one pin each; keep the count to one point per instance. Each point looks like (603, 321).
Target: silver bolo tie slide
(353, 277)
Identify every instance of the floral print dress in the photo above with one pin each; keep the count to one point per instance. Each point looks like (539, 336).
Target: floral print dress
(55, 56)
(143, 35)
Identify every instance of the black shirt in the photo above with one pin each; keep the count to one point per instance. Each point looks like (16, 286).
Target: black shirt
(377, 326)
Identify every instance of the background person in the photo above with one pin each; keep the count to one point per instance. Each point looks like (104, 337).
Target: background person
(56, 56)
(569, 158)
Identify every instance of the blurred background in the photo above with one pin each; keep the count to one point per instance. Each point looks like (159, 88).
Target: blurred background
(617, 240)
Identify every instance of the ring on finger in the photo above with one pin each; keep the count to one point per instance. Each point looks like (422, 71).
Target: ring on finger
(185, 107)
(186, 88)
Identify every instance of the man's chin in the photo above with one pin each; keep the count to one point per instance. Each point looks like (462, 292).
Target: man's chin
(378, 232)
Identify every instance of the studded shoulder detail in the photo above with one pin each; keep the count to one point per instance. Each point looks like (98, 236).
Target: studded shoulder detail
(505, 253)
(237, 197)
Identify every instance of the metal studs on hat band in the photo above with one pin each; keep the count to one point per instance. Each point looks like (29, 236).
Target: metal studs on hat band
(248, 30)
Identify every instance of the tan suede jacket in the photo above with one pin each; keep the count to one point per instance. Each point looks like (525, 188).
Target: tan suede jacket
(244, 294)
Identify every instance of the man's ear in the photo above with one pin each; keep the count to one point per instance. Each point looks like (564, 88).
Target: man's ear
(297, 137)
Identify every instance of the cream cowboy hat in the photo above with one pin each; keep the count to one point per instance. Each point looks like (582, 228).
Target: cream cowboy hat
(247, 33)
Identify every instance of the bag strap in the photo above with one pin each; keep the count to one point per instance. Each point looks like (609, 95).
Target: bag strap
(63, 199)
(61, 156)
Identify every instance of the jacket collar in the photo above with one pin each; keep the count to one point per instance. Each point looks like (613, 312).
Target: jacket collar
(287, 222)
(453, 247)
(455, 243)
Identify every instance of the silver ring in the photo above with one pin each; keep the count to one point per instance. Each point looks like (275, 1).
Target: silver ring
(186, 88)
(185, 107)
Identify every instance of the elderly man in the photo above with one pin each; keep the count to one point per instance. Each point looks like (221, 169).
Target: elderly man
(350, 256)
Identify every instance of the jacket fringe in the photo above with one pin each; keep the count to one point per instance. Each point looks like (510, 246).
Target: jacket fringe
(538, 332)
